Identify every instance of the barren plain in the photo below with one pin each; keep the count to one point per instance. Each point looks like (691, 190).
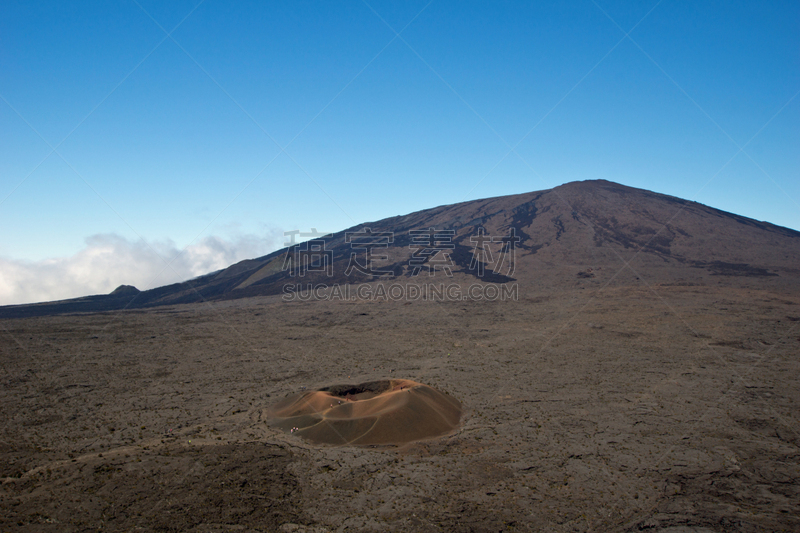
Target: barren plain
(663, 408)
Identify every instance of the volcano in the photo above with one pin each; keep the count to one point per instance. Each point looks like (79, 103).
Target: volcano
(578, 233)
(623, 361)
(379, 412)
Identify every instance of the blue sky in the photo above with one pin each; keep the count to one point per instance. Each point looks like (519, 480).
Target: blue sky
(250, 119)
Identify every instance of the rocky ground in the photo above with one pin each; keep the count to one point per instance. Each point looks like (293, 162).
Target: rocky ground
(633, 408)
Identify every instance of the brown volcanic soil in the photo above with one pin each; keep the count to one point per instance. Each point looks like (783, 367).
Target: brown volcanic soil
(625, 408)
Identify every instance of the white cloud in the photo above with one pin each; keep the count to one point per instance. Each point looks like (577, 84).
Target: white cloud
(108, 261)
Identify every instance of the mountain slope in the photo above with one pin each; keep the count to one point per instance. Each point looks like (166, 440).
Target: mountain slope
(578, 234)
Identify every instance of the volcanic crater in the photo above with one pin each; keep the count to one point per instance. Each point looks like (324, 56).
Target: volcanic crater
(389, 411)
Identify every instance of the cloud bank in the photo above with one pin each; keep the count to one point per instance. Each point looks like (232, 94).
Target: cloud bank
(109, 260)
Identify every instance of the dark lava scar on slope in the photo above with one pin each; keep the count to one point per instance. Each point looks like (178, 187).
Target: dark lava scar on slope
(559, 226)
(462, 255)
(522, 217)
(720, 268)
